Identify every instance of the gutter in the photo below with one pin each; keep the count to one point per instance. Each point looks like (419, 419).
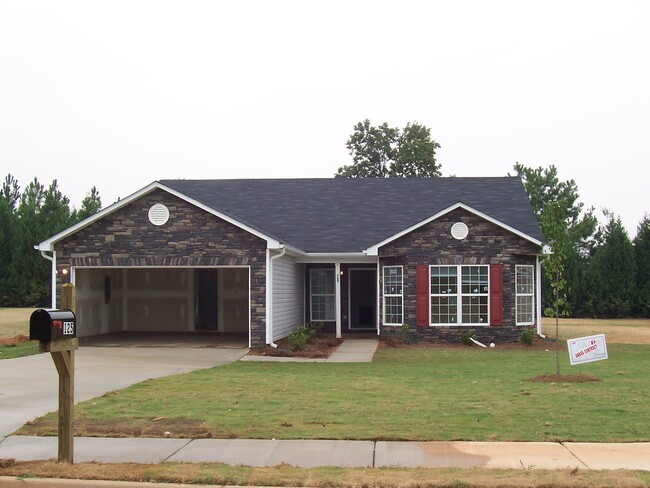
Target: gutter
(51, 259)
(538, 293)
(269, 303)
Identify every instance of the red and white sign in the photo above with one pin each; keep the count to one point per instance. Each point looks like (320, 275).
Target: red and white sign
(587, 349)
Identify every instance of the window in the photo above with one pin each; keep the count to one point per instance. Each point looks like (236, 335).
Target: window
(322, 294)
(472, 295)
(393, 298)
(444, 294)
(524, 291)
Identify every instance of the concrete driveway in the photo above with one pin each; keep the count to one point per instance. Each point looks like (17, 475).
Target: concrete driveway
(29, 385)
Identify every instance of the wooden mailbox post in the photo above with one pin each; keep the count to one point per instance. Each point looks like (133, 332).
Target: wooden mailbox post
(51, 329)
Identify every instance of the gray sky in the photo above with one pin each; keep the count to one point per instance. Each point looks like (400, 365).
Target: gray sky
(118, 94)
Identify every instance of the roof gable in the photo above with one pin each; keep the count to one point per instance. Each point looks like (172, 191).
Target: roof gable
(373, 250)
(48, 244)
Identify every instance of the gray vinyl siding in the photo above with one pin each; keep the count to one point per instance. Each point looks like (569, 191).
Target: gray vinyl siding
(288, 296)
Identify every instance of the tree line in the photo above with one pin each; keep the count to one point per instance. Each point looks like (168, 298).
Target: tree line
(28, 217)
(594, 270)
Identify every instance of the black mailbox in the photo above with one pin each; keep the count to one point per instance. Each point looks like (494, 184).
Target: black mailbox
(52, 325)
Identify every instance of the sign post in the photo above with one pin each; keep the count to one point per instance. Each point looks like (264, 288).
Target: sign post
(56, 332)
(587, 349)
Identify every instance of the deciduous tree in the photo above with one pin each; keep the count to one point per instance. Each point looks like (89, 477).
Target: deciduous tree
(383, 151)
(547, 195)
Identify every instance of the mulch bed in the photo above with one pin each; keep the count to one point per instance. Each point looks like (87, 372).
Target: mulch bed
(12, 341)
(563, 378)
(538, 345)
(321, 348)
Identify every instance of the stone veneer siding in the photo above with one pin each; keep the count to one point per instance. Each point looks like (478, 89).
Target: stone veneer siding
(432, 244)
(191, 238)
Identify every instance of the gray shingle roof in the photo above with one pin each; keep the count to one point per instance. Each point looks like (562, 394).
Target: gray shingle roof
(350, 215)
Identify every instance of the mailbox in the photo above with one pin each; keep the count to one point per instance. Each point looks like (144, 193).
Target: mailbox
(52, 325)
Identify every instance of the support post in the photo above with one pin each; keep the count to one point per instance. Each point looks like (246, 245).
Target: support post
(64, 362)
(337, 295)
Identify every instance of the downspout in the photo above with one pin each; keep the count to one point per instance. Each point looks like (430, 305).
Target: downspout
(538, 293)
(51, 259)
(269, 303)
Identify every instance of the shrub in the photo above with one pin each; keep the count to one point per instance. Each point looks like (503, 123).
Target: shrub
(466, 337)
(304, 335)
(527, 336)
(404, 334)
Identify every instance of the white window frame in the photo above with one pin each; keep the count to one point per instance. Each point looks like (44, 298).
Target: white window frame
(393, 295)
(459, 295)
(519, 293)
(312, 295)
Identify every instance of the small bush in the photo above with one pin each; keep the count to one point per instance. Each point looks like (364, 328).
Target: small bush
(304, 334)
(527, 336)
(404, 334)
(466, 337)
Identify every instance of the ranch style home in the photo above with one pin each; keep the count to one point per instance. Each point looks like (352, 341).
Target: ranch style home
(262, 256)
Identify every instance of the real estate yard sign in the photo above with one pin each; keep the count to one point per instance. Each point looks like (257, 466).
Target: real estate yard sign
(587, 349)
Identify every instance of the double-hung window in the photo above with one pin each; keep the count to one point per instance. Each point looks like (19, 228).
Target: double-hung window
(322, 294)
(459, 295)
(393, 297)
(524, 291)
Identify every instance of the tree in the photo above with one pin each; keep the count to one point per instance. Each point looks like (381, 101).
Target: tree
(381, 152)
(547, 194)
(554, 219)
(90, 205)
(9, 196)
(25, 220)
(612, 272)
(642, 260)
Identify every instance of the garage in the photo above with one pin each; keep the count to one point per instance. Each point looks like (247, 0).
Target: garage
(162, 299)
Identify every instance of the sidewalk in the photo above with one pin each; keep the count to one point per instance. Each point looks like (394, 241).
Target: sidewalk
(314, 453)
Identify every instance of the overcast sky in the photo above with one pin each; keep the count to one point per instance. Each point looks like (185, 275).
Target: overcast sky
(118, 94)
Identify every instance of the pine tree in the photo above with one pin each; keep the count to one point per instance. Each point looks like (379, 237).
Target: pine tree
(613, 272)
(642, 260)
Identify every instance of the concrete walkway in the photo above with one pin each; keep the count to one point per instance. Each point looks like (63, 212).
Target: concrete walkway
(350, 351)
(364, 454)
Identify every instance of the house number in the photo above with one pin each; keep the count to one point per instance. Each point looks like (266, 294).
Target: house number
(68, 328)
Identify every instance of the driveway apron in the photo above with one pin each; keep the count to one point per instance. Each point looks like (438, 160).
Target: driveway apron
(29, 385)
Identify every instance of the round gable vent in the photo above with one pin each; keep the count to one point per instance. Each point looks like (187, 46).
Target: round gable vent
(459, 231)
(158, 214)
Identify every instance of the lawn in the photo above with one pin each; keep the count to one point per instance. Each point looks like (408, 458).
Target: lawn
(10, 351)
(451, 393)
(327, 477)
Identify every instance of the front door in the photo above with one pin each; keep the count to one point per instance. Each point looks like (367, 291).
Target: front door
(363, 299)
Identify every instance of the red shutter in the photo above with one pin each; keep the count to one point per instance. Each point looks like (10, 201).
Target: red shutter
(496, 294)
(422, 295)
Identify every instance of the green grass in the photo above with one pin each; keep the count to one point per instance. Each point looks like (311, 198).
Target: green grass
(410, 394)
(19, 350)
(326, 477)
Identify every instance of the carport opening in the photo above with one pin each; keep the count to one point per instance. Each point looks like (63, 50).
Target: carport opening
(222, 301)
(162, 300)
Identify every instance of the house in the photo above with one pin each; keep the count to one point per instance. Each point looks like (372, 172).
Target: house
(262, 256)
